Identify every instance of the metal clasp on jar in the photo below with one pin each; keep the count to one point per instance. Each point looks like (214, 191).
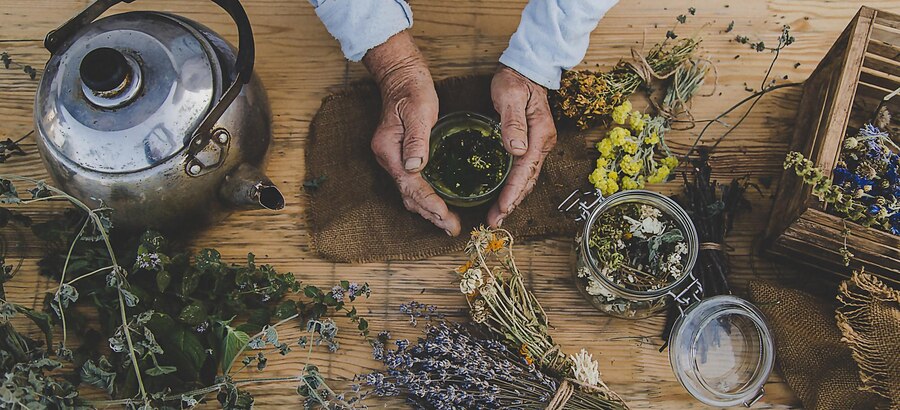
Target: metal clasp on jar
(691, 293)
(582, 201)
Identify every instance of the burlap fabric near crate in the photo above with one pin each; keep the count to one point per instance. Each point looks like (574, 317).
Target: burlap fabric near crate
(356, 214)
(824, 369)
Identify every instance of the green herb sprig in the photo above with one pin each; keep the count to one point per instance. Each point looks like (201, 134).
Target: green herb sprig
(175, 322)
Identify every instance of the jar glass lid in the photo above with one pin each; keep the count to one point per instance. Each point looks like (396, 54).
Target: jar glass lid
(722, 352)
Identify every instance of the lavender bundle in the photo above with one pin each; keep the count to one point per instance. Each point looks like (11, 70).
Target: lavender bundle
(453, 368)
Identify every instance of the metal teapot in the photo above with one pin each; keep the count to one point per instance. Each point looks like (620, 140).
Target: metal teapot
(155, 115)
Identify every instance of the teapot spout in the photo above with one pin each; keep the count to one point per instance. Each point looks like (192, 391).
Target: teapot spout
(248, 188)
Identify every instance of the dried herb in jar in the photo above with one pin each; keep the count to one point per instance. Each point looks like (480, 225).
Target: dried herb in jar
(638, 247)
(467, 163)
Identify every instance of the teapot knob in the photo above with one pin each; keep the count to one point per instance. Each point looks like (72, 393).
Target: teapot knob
(104, 70)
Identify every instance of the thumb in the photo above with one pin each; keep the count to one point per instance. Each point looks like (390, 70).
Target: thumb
(513, 125)
(416, 137)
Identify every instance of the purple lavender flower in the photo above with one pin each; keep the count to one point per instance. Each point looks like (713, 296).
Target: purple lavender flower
(451, 369)
(353, 289)
(337, 292)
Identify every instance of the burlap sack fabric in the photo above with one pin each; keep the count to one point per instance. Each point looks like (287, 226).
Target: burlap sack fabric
(812, 351)
(356, 215)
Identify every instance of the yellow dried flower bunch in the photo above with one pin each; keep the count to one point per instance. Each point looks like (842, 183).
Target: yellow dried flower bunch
(588, 97)
(628, 154)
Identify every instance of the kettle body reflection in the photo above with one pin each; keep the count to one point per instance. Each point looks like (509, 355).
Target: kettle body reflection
(155, 116)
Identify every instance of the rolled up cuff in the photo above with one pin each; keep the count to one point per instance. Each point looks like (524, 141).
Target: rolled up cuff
(360, 25)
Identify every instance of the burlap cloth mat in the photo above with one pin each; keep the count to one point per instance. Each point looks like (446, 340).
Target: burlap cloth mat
(356, 214)
(837, 357)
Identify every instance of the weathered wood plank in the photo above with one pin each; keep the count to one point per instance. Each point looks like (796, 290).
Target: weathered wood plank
(299, 62)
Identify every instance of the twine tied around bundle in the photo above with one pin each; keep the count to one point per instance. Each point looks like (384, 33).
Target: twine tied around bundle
(563, 393)
(712, 246)
(643, 69)
(566, 390)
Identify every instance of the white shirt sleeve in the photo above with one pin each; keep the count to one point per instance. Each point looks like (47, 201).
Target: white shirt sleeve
(360, 25)
(553, 36)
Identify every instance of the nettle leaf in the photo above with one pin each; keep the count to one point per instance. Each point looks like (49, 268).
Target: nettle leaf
(131, 300)
(183, 348)
(232, 341)
(312, 292)
(66, 295)
(42, 320)
(8, 193)
(193, 314)
(163, 279)
(7, 311)
(286, 309)
(189, 282)
(99, 375)
(209, 259)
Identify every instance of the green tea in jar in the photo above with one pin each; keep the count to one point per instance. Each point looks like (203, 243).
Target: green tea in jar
(468, 163)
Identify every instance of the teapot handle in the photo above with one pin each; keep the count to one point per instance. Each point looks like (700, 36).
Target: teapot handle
(243, 66)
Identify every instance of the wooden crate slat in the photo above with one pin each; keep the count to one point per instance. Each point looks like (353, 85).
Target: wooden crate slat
(882, 67)
(886, 50)
(843, 93)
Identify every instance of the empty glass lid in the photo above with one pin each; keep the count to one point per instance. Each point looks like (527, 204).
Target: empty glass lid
(722, 352)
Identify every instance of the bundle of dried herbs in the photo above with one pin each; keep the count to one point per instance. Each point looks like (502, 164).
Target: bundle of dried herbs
(173, 326)
(455, 367)
(633, 155)
(713, 209)
(587, 97)
(500, 302)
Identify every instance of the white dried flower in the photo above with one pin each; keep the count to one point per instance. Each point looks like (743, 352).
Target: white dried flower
(595, 288)
(470, 281)
(585, 369)
(488, 289)
(681, 248)
(650, 212)
(479, 311)
(583, 272)
(645, 227)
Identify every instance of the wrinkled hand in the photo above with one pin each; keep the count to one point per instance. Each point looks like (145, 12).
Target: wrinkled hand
(409, 111)
(528, 132)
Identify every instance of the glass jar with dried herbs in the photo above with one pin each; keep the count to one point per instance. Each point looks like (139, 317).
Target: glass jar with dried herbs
(635, 254)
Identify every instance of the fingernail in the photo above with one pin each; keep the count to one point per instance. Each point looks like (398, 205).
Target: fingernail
(413, 164)
(500, 223)
(448, 232)
(437, 216)
(517, 145)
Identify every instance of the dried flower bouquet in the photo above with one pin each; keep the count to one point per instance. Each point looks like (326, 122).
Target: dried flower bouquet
(500, 301)
(865, 187)
(587, 97)
(454, 367)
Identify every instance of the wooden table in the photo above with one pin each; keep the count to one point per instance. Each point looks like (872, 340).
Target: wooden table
(300, 64)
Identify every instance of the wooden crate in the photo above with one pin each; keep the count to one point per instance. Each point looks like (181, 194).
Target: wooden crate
(841, 95)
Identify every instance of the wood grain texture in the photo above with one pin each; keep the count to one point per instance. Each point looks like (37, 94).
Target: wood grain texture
(300, 63)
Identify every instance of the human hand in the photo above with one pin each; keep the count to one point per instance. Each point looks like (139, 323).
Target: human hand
(528, 133)
(409, 111)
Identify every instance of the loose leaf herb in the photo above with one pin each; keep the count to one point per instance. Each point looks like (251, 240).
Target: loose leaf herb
(169, 338)
(8, 63)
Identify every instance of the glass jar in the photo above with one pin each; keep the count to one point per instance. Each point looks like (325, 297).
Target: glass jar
(467, 162)
(618, 300)
(722, 352)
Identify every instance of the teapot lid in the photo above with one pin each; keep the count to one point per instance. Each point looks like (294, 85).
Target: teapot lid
(126, 92)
